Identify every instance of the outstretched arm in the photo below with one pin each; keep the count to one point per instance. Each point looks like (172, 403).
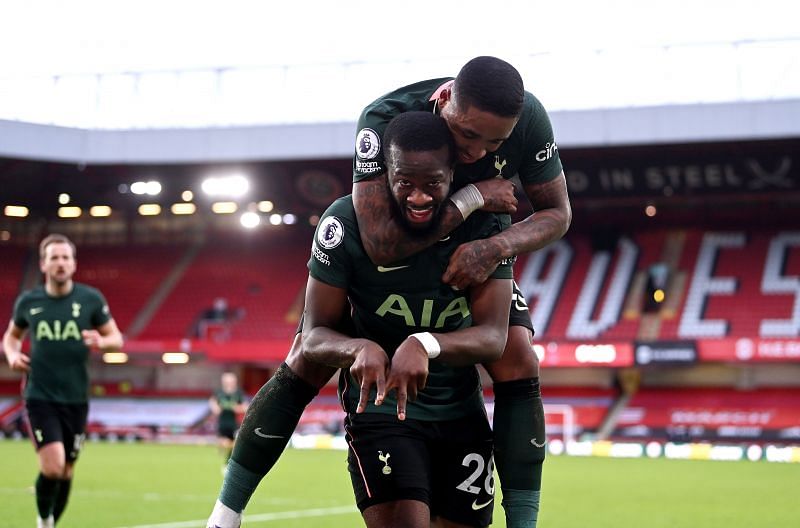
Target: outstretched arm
(385, 241)
(368, 362)
(474, 261)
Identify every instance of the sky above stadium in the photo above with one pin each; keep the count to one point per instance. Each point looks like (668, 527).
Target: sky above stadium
(119, 64)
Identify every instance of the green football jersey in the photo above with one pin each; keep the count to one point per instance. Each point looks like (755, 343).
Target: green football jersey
(228, 403)
(391, 302)
(59, 358)
(530, 150)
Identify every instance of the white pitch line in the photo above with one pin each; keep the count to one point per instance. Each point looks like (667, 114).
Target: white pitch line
(259, 517)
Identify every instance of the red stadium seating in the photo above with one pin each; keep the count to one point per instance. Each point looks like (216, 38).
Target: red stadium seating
(262, 276)
(14, 259)
(721, 414)
(128, 276)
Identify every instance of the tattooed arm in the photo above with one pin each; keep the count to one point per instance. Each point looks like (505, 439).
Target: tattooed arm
(474, 261)
(385, 241)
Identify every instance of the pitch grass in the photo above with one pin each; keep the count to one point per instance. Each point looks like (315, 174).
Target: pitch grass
(137, 485)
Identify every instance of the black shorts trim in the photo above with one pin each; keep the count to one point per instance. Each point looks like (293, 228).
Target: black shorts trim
(519, 314)
(58, 422)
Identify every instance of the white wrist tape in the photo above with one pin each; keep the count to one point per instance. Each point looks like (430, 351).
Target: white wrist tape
(468, 199)
(429, 343)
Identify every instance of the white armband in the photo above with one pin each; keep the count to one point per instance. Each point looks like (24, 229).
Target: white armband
(429, 343)
(468, 199)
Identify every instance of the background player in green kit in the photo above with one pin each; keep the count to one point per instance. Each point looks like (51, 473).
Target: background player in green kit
(414, 347)
(64, 320)
(500, 130)
(226, 402)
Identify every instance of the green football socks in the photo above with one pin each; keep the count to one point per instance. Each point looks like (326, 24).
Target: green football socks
(519, 436)
(521, 507)
(267, 428)
(238, 486)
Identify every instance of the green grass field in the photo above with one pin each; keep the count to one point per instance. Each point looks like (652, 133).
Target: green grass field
(158, 486)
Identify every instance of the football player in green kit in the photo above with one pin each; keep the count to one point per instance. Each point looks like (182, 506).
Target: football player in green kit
(420, 443)
(500, 130)
(226, 402)
(64, 320)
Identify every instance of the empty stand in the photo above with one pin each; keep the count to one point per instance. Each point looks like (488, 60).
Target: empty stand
(14, 259)
(261, 276)
(723, 284)
(721, 414)
(128, 276)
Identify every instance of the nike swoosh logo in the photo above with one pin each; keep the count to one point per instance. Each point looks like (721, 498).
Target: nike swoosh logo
(264, 435)
(445, 239)
(35, 311)
(394, 268)
(476, 506)
(533, 441)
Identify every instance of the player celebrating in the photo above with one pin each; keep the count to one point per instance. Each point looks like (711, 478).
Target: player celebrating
(425, 335)
(64, 319)
(500, 130)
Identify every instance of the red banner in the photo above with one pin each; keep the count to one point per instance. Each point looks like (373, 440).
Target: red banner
(554, 354)
(747, 350)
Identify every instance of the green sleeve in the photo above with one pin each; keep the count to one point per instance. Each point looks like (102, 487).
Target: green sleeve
(19, 312)
(541, 162)
(330, 260)
(101, 314)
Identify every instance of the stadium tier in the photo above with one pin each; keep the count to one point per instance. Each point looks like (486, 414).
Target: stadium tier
(716, 285)
(129, 276)
(666, 333)
(14, 259)
(712, 414)
(259, 277)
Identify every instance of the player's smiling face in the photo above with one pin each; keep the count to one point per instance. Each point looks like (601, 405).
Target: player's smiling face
(419, 183)
(58, 264)
(475, 131)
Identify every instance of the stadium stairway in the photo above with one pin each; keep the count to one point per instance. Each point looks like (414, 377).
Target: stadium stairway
(609, 423)
(149, 310)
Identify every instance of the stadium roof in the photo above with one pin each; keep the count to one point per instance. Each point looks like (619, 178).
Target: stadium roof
(94, 64)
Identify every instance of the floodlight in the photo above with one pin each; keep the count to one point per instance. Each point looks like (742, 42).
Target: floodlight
(100, 210)
(115, 357)
(19, 211)
(224, 207)
(149, 209)
(183, 208)
(175, 358)
(233, 186)
(69, 212)
(250, 219)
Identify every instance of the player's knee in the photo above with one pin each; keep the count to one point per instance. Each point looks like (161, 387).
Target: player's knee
(53, 469)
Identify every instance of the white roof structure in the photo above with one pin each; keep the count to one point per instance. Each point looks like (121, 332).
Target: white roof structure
(145, 80)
